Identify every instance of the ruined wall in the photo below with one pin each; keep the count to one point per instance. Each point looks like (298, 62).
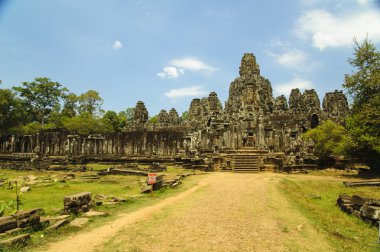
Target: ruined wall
(251, 116)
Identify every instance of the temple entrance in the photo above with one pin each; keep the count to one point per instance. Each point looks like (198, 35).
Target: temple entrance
(314, 121)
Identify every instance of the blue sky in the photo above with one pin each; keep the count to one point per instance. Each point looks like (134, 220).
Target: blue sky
(167, 52)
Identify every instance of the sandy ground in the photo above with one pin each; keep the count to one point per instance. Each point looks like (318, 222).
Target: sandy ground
(224, 212)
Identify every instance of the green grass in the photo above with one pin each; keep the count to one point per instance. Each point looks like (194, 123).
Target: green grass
(345, 232)
(49, 196)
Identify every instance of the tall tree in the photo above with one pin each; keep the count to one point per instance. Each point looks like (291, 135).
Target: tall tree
(41, 96)
(90, 103)
(329, 138)
(363, 84)
(111, 119)
(11, 111)
(70, 105)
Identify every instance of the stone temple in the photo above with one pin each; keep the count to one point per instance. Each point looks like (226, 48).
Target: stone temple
(252, 123)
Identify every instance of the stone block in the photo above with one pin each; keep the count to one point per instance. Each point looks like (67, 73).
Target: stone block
(79, 222)
(371, 212)
(16, 242)
(76, 201)
(59, 224)
(7, 223)
(27, 217)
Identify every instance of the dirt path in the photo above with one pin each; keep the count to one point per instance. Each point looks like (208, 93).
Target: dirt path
(225, 212)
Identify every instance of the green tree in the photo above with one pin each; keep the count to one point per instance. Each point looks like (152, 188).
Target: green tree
(70, 105)
(111, 119)
(130, 112)
(41, 96)
(363, 85)
(11, 111)
(90, 103)
(185, 115)
(86, 125)
(329, 139)
(153, 120)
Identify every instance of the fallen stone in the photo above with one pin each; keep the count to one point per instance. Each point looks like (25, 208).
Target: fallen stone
(28, 217)
(121, 171)
(69, 176)
(16, 242)
(110, 203)
(362, 183)
(146, 188)
(58, 224)
(25, 189)
(73, 203)
(94, 213)
(13, 231)
(116, 199)
(79, 222)
(100, 196)
(58, 218)
(30, 177)
(175, 184)
(371, 212)
(7, 223)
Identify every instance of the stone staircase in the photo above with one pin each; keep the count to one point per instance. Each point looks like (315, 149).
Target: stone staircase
(247, 160)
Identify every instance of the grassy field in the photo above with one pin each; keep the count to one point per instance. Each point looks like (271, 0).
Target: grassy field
(49, 189)
(345, 232)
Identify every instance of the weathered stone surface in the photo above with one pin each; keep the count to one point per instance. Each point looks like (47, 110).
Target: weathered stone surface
(162, 118)
(79, 222)
(116, 199)
(121, 171)
(335, 106)
(100, 196)
(372, 212)
(73, 203)
(27, 217)
(7, 223)
(368, 209)
(25, 189)
(14, 231)
(173, 117)
(296, 101)
(58, 224)
(16, 242)
(280, 105)
(311, 101)
(146, 188)
(94, 214)
(141, 115)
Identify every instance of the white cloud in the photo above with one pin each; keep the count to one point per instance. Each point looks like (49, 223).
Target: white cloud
(363, 2)
(170, 72)
(117, 45)
(328, 30)
(285, 88)
(192, 64)
(177, 67)
(290, 57)
(187, 91)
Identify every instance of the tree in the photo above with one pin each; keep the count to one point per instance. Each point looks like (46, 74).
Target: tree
(128, 115)
(70, 105)
(111, 119)
(185, 115)
(154, 119)
(11, 111)
(329, 139)
(363, 85)
(41, 96)
(86, 125)
(90, 103)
